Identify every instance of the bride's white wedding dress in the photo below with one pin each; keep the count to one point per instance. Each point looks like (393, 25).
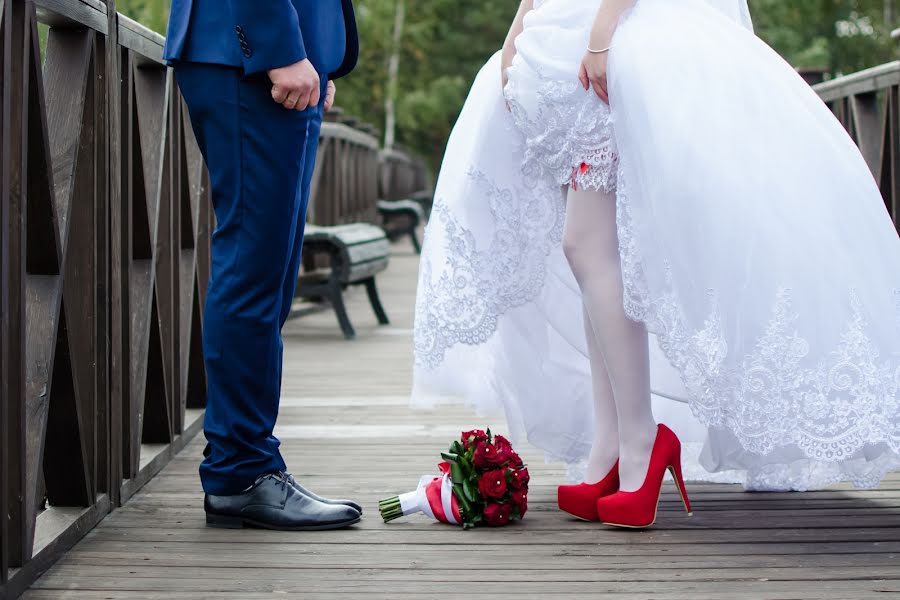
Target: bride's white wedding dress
(754, 244)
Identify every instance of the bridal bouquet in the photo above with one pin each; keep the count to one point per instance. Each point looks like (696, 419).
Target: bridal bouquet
(482, 482)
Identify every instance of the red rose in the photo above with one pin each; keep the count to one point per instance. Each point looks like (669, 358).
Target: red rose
(493, 484)
(502, 442)
(515, 461)
(520, 501)
(504, 446)
(486, 456)
(520, 479)
(497, 515)
(477, 434)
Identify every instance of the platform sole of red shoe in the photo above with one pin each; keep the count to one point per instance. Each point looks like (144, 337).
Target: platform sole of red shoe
(651, 523)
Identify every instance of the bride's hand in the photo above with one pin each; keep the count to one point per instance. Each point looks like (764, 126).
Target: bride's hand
(509, 45)
(592, 74)
(509, 52)
(506, 59)
(594, 64)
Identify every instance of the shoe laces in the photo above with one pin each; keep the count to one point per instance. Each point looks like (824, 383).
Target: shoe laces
(288, 478)
(283, 479)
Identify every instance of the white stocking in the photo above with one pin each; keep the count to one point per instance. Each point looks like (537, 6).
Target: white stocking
(605, 447)
(591, 246)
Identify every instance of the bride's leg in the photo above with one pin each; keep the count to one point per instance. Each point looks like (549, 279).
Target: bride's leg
(605, 446)
(591, 246)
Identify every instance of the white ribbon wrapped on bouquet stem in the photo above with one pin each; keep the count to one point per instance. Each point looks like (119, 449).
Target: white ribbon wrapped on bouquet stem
(433, 497)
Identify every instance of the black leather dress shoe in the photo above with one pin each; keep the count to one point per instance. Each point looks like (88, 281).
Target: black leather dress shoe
(306, 492)
(273, 503)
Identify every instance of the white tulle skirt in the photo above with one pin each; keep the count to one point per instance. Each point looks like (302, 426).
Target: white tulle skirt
(754, 242)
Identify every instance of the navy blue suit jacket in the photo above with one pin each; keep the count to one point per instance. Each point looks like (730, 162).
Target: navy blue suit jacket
(258, 35)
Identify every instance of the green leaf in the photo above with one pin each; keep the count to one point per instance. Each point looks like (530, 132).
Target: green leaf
(456, 473)
(464, 507)
(470, 491)
(457, 448)
(460, 495)
(451, 458)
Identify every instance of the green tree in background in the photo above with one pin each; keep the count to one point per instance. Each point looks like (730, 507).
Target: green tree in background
(445, 42)
(839, 36)
(152, 13)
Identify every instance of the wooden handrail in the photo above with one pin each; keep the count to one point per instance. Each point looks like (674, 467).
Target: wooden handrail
(869, 80)
(104, 239)
(868, 106)
(141, 39)
(68, 13)
(350, 134)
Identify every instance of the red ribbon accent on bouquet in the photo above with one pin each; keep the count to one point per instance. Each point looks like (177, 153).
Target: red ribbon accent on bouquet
(434, 491)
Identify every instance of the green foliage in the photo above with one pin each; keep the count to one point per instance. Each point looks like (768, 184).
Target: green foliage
(445, 42)
(840, 36)
(152, 13)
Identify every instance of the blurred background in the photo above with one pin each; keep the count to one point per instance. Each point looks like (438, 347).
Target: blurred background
(419, 57)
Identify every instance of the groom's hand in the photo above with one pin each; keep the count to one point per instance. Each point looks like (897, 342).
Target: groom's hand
(329, 96)
(296, 86)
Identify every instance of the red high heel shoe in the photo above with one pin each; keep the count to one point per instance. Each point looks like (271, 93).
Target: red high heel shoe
(638, 509)
(581, 500)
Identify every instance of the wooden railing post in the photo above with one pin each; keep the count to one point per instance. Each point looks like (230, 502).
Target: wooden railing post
(5, 252)
(104, 256)
(401, 174)
(116, 348)
(18, 535)
(342, 190)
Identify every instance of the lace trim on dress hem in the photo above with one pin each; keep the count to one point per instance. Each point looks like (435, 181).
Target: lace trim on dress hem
(479, 285)
(771, 400)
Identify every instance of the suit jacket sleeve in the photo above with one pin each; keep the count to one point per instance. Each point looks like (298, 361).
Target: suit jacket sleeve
(271, 30)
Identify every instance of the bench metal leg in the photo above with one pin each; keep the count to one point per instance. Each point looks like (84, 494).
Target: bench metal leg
(340, 309)
(415, 240)
(375, 301)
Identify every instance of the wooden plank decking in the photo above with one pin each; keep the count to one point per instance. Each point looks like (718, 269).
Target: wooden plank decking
(346, 430)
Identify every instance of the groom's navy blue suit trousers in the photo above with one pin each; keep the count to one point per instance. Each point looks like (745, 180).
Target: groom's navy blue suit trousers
(260, 158)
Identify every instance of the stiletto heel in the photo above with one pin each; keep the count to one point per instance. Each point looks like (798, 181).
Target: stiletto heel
(580, 500)
(637, 509)
(675, 470)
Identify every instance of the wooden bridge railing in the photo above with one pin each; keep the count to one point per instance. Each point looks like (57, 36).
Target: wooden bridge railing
(352, 174)
(104, 257)
(868, 105)
(402, 174)
(345, 182)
